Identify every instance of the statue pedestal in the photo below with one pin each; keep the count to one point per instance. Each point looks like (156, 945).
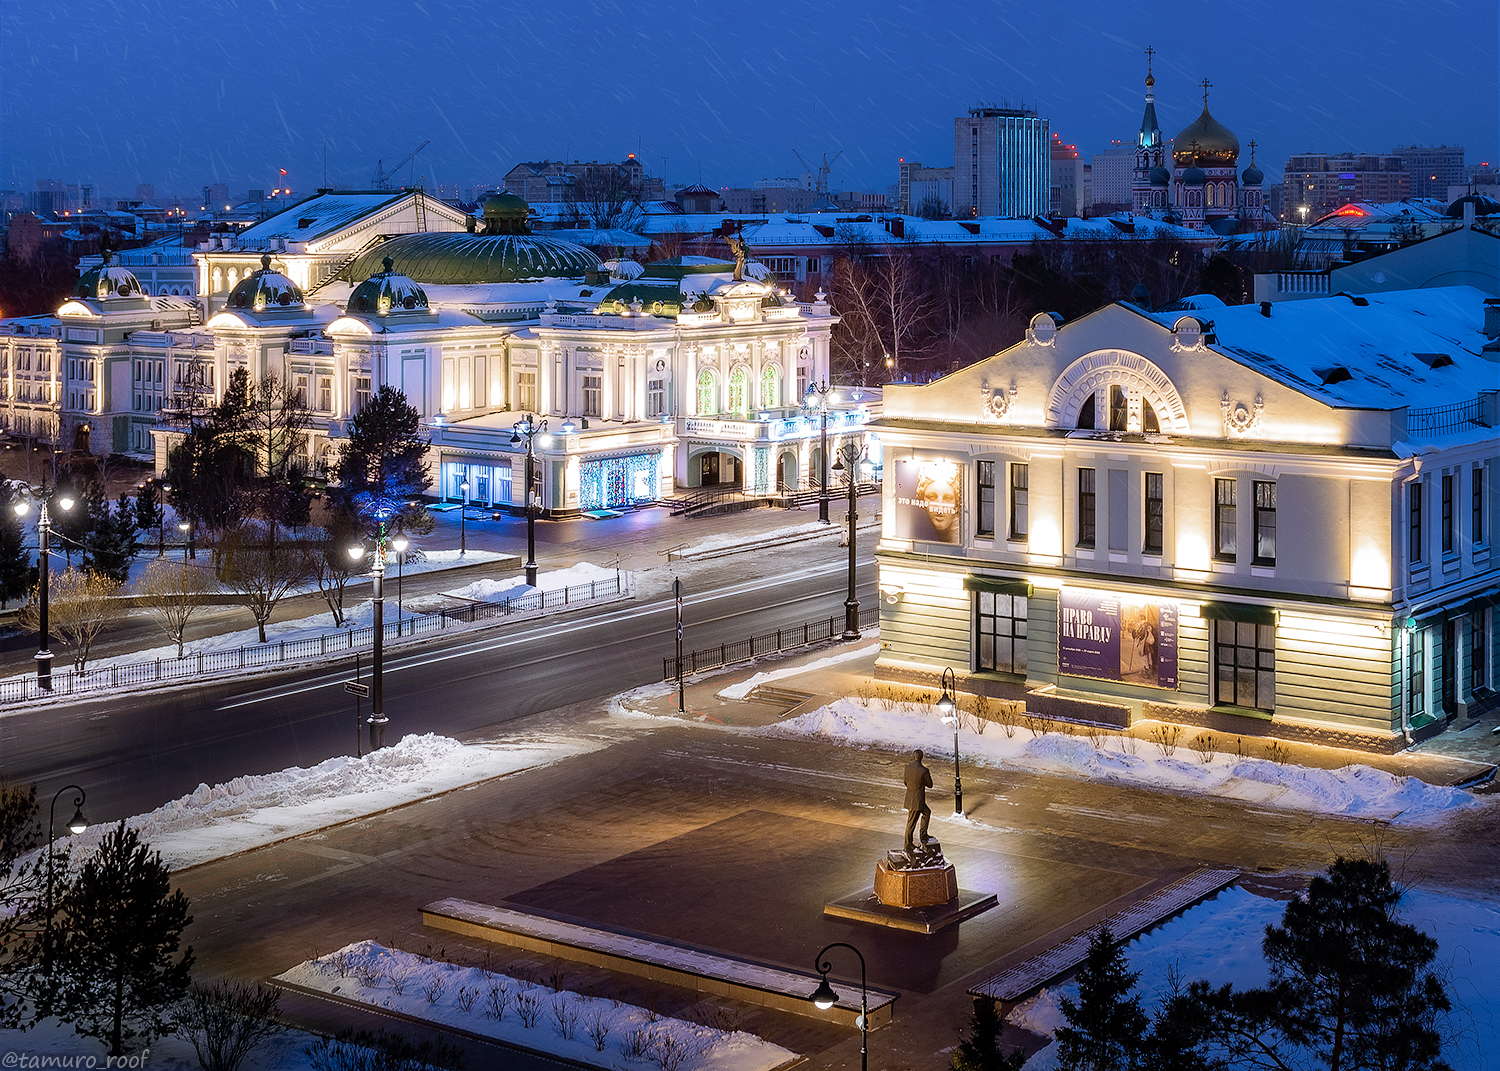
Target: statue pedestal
(922, 886)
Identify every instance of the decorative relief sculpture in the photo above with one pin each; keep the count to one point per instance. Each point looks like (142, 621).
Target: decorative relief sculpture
(998, 401)
(1240, 420)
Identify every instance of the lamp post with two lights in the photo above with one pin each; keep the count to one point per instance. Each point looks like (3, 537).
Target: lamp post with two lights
(850, 457)
(377, 720)
(44, 501)
(527, 431)
(820, 398)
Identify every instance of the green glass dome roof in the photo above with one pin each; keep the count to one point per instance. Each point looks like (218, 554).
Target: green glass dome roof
(457, 257)
(387, 291)
(107, 281)
(264, 289)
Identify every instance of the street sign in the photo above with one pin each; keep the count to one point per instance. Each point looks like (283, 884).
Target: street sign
(355, 688)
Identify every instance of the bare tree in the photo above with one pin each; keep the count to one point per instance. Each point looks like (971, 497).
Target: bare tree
(263, 570)
(80, 606)
(172, 592)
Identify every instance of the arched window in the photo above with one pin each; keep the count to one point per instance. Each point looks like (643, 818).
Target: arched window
(218, 280)
(739, 391)
(1149, 422)
(1086, 414)
(233, 278)
(706, 404)
(770, 387)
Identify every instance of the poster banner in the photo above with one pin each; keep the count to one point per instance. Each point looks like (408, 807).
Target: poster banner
(1117, 637)
(927, 500)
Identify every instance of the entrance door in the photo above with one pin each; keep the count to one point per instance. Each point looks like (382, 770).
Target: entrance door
(708, 470)
(1450, 666)
(81, 438)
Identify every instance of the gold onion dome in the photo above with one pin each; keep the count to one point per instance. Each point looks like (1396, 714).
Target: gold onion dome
(1207, 143)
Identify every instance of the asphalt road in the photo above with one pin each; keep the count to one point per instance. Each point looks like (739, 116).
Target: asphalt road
(134, 752)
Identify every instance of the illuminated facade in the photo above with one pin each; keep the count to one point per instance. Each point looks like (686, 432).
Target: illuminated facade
(1269, 519)
(1002, 163)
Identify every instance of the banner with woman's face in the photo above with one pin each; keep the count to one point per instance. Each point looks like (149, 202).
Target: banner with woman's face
(928, 495)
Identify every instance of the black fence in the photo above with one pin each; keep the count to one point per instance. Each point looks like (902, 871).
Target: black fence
(783, 639)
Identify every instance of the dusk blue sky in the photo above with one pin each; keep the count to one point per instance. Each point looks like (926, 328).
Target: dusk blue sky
(179, 93)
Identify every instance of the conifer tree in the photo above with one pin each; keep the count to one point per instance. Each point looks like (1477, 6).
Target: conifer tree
(1106, 1023)
(116, 972)
(112, 544)
(383, 461)
(980, 1051)
(17, 574)
(20, 885)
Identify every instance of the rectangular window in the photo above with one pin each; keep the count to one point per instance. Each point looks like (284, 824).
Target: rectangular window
(1155, 515)
(299, 391)
(1417, 685)
(1414, 510)
(1265, 523)
(1245, 664)
(1479, 650)
(656, 397)
(1020, 517)
(1476, 505)
(361, 392)
(1087, 504)
(526, 392)
(593, 396)
(1000, 632)
(1119, 410)
(984, 524)
(1447, 514)
(325, 394)
(1226, 518)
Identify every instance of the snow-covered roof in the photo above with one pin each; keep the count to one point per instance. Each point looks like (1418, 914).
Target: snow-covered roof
(320, 215)
(1374, 351)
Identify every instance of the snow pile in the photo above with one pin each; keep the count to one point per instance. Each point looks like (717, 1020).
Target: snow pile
(1355, 791)
(745, 687)
(514, 587)
(590, 1030)
(1219, 942)
(219, 820)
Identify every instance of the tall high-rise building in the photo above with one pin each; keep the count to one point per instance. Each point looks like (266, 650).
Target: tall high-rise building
(1432, 169)
(1002, 163)
(1315, 183)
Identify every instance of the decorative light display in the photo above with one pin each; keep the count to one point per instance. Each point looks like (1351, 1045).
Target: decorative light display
(615, 481)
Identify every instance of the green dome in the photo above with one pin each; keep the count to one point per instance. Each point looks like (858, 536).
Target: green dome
(507, 207)
(455, 257)
(385, 292)
(264, 289)
(107, 281)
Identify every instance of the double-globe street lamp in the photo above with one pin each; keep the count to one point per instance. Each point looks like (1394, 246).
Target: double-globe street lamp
(44, 501)
(819, 398)
(399, 543)
(527, 431)
(824, 997)
(77, 824)
(378, 720)
(851, 456)
(948, 711)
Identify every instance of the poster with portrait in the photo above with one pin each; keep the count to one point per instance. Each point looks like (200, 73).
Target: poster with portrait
(1117, 637)
(927, 500)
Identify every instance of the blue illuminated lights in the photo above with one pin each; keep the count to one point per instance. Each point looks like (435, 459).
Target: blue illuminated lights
(616, 481)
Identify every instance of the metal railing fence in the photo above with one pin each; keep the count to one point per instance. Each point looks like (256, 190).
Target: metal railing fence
(783, 639)
(200, 664)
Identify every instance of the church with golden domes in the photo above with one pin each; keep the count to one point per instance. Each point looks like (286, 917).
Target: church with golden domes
(1202, 188)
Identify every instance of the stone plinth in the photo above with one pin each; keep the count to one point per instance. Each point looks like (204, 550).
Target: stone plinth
(923, 886)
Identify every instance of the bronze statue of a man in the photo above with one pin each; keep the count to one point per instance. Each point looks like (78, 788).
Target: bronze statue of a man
(918, 781)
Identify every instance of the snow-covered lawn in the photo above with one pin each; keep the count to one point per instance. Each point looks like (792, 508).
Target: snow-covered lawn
(219, 820)
(1219, 941)
(591, 1030)
(1355, 791)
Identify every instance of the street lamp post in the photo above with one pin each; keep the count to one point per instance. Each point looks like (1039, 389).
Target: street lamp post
(77, 824)
(186, 527)
(848, 463)
(159, 489)
(824, 997)
(43, 562)
(463, 520)
(948, 709)
(526, 431)
(377, 720)
(399, 545)
(820, 398)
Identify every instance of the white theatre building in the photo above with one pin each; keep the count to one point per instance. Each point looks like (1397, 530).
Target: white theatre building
(1272, 519)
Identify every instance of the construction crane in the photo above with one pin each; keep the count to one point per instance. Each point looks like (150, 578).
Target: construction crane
(823, 171)
(382, 179)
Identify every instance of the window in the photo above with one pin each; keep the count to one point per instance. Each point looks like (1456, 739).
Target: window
(1155, 517)
(299, 391)
(593, 396)
(739, 390)
(1087, 504)
(1149, 422)
(1265, 523)
(361, 392)
(1245, 664)
(1476, 505)
(1225, 520)
(656, 397)
(770, 386)
(1479, 650)
(1414, 509)
(1119, 409)
(706, 393)
(1447, 513)
(526, 391)
(1417, 685)
(325, 394)
(1000, 628)
(1086, 414)
(984, 523)
(1020, 523)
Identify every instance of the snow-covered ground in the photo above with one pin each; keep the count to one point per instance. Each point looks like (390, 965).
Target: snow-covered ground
(219, 820)
(739, 539)
(1355, 791)
(591, 1030)
(755, 680)
(1219, 941)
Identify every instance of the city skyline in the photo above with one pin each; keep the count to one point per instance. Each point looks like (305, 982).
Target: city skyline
(191, 102)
